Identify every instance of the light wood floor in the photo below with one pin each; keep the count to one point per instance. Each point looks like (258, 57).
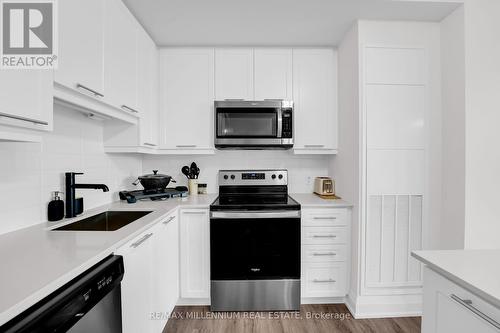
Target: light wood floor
(199, 319)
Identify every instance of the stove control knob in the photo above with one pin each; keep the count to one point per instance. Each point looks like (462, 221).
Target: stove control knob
(226, 177)
(232, 177)
(280, 176)
(273, 176)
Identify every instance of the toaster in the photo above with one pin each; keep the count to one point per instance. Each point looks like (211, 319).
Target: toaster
(324, 186)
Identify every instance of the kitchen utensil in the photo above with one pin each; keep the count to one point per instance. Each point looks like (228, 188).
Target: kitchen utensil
(154, 181)
(192, 171)
(185, 170)
(197, 172)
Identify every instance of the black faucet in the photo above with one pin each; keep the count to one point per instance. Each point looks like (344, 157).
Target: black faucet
(70, 191)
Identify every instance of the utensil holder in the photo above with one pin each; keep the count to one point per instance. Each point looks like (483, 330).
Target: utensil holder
(193, 186)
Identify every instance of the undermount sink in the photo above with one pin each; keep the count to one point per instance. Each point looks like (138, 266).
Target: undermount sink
(106, 221)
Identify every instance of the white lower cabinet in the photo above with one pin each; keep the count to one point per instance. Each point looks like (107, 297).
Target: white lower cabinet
(450, 308)
(325, 252)
(150, 286)
(195, 254)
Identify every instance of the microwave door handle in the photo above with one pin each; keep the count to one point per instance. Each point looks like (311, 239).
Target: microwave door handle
(280, 123)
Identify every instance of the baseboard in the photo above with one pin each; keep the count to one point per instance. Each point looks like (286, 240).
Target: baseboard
(193, 301)
(385, 306)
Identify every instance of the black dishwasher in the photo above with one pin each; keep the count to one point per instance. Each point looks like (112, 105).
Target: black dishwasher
(90, 302)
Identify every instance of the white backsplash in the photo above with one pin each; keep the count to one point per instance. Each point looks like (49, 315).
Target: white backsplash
(31, 171)
(302, 169)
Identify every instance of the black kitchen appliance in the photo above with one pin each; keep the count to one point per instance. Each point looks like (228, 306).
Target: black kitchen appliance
(254, 243)
(90, 302)
(158, 194)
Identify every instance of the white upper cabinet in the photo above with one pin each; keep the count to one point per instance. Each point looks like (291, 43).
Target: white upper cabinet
(273, 74)
(147, 88)
(26, 98)
(187, 98)
(120, 57)
(234, 74)
(315, 97)
(81, 46)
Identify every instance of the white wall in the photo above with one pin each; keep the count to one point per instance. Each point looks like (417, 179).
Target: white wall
(453, 109)
(345, 166)
(301, 168)
(482, 100)
(31, 171)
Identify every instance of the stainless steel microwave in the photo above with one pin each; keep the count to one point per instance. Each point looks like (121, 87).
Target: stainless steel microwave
(243, 124)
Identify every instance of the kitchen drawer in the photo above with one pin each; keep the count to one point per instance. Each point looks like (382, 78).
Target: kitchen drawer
(324, 235)
(324, 279)
(324, 217)
(324, 253)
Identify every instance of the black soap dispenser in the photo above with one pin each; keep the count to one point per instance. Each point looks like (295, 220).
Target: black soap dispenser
(55, 211)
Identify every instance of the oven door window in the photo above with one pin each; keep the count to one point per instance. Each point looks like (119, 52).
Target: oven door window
(254, 249)
(247, 123)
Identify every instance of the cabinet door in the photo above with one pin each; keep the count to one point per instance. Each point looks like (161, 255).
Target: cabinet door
(187, 98)
(120, 57)
(195, 254)
(26, 95)
(137, 284)
(81, 45)
(315, 97)
(147, 88)
(166, 270)
(273, 74)
(234, 74)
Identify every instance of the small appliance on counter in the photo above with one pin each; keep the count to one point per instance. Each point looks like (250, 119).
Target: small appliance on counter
(325, 187)
(155, 188)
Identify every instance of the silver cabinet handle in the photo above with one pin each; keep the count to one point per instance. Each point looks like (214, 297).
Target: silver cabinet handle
(128, 108)
(186, 146)
(142, 240)
(30, 120)
(194, 213)
(324, 281)
(314, 146)
(169, 220)
(324, 236)
(324, 254)
(150, 144)
(325, 218)
(95, 92)
(467, 303)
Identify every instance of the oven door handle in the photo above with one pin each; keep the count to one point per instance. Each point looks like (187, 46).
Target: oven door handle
(265, 214)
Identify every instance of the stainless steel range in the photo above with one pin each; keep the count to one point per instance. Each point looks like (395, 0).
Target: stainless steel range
(254, 243)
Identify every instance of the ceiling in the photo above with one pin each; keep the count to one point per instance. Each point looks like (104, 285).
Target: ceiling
(271, 22)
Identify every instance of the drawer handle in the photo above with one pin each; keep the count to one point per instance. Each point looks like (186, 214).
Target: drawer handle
(314, 146)
(325, 217)
(194, 213)
(94, 92)
(128, 108)
(317, 254)
(467, 303)
(324, 281)
(150, 144)
(169, 220)
(142, 240)
(324, 236)
(186, 146)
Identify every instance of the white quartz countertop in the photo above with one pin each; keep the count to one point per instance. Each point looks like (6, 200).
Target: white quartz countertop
(310, 200)
(475, 270)
(35, 261)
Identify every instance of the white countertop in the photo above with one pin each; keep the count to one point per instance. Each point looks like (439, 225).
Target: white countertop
(475, 270)
(36, 261)
(311, 200)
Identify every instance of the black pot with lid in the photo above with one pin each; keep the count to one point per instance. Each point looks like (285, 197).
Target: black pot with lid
(154, 181)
